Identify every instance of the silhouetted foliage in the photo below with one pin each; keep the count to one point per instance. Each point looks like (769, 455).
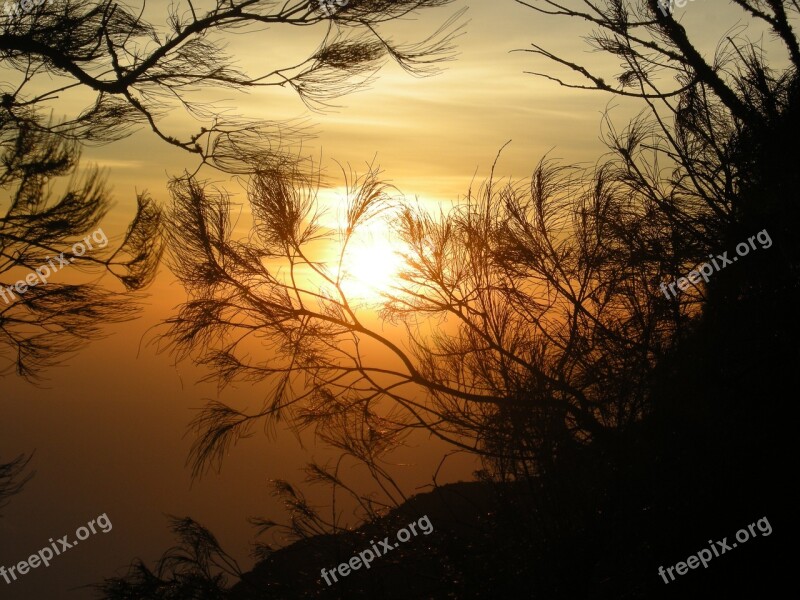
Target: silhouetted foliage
(42, 220)
(12, 478)
(534, 276)
(134, 69)
(552, 283)
(195, 568)
(138, 70)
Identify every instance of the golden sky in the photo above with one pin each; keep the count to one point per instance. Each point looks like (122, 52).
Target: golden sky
(430, 135)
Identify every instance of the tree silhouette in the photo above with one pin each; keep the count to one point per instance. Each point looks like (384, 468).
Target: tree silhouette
(134, 69)
(696, 114)
(532, 276)
(12, 479)
(551, 283)
(137, 71)
(195, 568)
(46, 322)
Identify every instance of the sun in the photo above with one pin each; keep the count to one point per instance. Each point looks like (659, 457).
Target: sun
(373, 256)
(371, 265)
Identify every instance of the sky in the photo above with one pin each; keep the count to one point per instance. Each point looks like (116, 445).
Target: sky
(108, 425)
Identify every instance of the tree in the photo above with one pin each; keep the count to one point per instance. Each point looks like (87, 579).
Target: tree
(195, 568)
(41, 233)
(138, 71)
(12, 479)
(706, 165)
(552, 284)
(134, 69)
(698, 116)
(536, 291)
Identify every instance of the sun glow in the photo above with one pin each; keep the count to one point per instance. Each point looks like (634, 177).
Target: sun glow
(373, 256)
(371, 266)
